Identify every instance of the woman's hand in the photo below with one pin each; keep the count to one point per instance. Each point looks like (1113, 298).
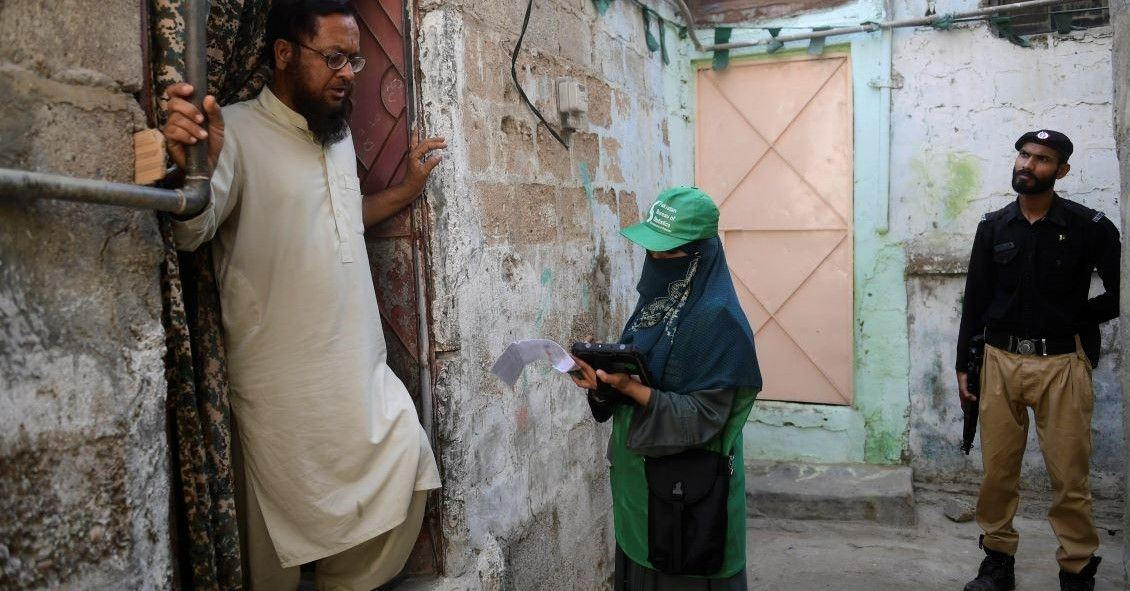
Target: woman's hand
(626, 384)
(585, 376)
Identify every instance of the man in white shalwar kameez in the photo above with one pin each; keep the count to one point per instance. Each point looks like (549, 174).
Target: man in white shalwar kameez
(337, 464)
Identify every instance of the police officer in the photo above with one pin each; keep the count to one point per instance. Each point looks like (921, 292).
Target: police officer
(1029, 276)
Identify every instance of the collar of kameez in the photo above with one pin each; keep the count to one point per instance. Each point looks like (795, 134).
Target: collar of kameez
(278, 109)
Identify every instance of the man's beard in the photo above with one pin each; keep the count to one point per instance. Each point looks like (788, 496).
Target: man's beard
(329, 123)
(1031, 185)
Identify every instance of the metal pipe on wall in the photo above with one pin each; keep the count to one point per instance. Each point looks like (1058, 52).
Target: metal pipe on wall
(424, 351)
(16, 183)
(885, 82)
(188, 200)
(685, 11)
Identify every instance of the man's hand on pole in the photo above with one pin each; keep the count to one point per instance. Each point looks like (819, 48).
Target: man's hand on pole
(185, 125)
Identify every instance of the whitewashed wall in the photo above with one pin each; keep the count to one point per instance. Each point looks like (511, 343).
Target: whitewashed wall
(965, 97)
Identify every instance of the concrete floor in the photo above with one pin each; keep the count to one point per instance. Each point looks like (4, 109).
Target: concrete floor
(936, 555)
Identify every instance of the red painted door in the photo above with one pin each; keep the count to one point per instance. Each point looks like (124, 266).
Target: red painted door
(380, 135)
(380, 127)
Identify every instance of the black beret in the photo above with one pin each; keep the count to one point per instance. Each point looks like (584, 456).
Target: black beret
(1052, 139)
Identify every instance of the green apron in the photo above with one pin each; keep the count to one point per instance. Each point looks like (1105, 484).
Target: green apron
(629, 486)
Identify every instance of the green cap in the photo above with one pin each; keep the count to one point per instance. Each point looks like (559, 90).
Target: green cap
(678, 216)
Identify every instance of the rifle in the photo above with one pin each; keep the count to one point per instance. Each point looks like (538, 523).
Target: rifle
(970, 409)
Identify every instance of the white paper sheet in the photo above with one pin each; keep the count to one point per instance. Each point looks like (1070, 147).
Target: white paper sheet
(519, 354)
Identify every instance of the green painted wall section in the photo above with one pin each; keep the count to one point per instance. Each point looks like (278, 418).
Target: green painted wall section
(882, 356)
(784, 431)
(952, 180)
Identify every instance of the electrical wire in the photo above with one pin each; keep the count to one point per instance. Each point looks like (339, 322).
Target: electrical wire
(514, 75)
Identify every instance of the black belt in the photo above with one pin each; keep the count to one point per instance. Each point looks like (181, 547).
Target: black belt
(1030, 346)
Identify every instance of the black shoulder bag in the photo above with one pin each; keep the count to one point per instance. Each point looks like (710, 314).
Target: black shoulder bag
(687, 511)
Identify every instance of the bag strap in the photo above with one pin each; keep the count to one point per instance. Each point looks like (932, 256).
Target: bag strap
(678, 494)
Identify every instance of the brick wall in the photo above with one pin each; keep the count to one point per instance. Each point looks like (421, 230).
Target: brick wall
(522, 248)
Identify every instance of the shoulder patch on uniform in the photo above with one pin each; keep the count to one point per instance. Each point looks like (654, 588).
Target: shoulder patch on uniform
(1083, 211)
(991, 215)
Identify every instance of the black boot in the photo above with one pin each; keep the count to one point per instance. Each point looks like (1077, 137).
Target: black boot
(996, 573)
(1084, 580)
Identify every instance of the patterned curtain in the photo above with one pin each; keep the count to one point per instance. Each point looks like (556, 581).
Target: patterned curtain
(208, 553)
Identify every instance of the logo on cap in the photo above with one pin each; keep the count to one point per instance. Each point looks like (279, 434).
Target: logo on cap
(662, 216)
(1042, 135)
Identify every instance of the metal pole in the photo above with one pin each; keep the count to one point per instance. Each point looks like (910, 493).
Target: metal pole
(688, 18)
(685, 11)
(419, 240)
(196, 74)
(991, 10)
(15, 183)
(186, 201)
(866, 28)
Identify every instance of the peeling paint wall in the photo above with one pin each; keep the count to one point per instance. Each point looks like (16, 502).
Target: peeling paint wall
(83, 470)
(954, 123)
(937, 420)
(1120, 22)
(525, 244)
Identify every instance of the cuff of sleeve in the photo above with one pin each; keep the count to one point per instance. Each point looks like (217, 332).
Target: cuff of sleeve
(187, 233)
(647, 409)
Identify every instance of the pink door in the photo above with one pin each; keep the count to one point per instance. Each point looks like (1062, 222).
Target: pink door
(774, 149)
(380, 135)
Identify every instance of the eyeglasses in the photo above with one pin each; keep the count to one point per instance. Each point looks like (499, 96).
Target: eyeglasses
(336, 60)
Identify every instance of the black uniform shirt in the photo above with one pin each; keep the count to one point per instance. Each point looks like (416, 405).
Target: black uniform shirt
(1031, 280)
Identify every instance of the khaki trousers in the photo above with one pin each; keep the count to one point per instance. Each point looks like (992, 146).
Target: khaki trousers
(1058, 390)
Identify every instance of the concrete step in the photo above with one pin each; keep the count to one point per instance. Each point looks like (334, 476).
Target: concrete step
(835, 492)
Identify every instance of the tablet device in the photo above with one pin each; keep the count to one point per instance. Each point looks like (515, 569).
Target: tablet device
(614, 358)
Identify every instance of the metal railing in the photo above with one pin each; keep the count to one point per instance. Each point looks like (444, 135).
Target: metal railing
(188, 200)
